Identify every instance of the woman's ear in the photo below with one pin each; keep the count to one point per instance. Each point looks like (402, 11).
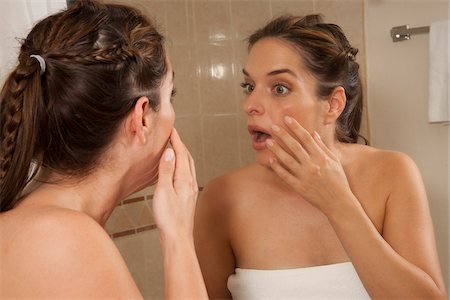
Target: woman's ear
(336, 105)
(139, 120)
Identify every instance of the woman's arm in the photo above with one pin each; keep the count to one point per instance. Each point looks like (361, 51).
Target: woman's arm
(212, 240)
(174, 204)
(402, 263)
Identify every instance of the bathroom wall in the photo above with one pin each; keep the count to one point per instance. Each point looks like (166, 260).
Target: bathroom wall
(21, 16)
(398, 95)
(206, 48)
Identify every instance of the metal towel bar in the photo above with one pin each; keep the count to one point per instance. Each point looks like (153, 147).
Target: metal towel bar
(403, 33)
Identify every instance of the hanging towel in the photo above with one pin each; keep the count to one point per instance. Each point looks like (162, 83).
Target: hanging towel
(439, 68)
(18, 17)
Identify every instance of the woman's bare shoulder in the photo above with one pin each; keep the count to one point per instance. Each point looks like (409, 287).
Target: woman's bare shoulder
(53, 233)
(70, 246)
(381, 158)
(226, 191)
(235, 182)
(51, 221)
(387, 165)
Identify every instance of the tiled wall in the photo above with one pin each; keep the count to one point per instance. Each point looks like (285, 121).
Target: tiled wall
(206, 48)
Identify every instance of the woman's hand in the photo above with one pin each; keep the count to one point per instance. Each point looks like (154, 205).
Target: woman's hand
(176, 192)
(174, 208)
(305, 163)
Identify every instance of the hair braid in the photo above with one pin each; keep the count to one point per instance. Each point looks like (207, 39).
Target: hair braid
(19, 113)
(100, 58)
(112, 55)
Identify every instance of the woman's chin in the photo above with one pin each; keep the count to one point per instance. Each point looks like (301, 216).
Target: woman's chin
(262, 158)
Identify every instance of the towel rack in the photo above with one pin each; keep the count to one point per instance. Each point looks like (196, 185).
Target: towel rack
(403, 33)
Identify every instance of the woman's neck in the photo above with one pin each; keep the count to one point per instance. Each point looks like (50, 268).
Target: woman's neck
(95, 195)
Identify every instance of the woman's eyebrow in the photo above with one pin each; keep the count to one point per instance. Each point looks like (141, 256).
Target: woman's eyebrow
(281, 71)
(274, 72)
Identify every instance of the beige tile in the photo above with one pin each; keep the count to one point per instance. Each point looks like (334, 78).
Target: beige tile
(240, 53)
(134, 212)
(110, 223)
(152, 282)
(155, 10)
(190, 130)
(179, 27)
(143, 257)
(292, 7)
(216, 79)
(146, 216)
(348, 14)
(118, 221)
(187, 101)
(221, 145)
(248, 16)
(212, 21)
(238, 77)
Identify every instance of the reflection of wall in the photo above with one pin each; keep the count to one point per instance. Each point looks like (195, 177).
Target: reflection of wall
(16, 24)
(206, 48)
(398, 89)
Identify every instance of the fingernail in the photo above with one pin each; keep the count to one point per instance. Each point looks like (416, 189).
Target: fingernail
(269, 142)
(271, 160)
(288, 120)
(169, 155)
(275, 128)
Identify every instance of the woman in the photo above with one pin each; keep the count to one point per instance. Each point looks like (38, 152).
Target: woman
(318, 216)
(86, 118)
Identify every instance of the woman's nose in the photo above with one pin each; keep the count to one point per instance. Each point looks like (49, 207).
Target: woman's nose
(252, 105)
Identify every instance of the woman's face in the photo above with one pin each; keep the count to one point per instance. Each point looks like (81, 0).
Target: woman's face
(162, 125)
(166, 114)
(276, 84)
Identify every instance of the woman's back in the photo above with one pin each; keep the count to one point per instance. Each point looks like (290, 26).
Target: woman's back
(48, 250)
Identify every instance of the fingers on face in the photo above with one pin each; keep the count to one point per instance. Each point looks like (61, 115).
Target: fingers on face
(305, 138)
(185, 168)
(293, 145)
(283, 173)
(283, 157)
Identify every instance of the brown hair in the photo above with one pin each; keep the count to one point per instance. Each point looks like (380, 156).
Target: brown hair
(99, 60)
(329, 57)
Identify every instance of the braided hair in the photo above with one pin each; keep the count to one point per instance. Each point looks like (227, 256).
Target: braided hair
(329, 57)
(100, 59)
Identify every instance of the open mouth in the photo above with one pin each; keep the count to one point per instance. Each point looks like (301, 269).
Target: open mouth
(260, 136)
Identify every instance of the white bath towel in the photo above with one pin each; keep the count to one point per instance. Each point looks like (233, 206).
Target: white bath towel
(18, 17)
(439, 68)
(335, 281)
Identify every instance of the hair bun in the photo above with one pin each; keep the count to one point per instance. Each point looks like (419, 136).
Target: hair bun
(351, 53)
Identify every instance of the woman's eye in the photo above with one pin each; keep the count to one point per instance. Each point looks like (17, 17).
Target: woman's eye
(247, 87)
(174, 92)
(280, 89)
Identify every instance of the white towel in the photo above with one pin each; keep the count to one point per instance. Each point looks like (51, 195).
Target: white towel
(18, 17)
(335, 281)
(439, 68)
